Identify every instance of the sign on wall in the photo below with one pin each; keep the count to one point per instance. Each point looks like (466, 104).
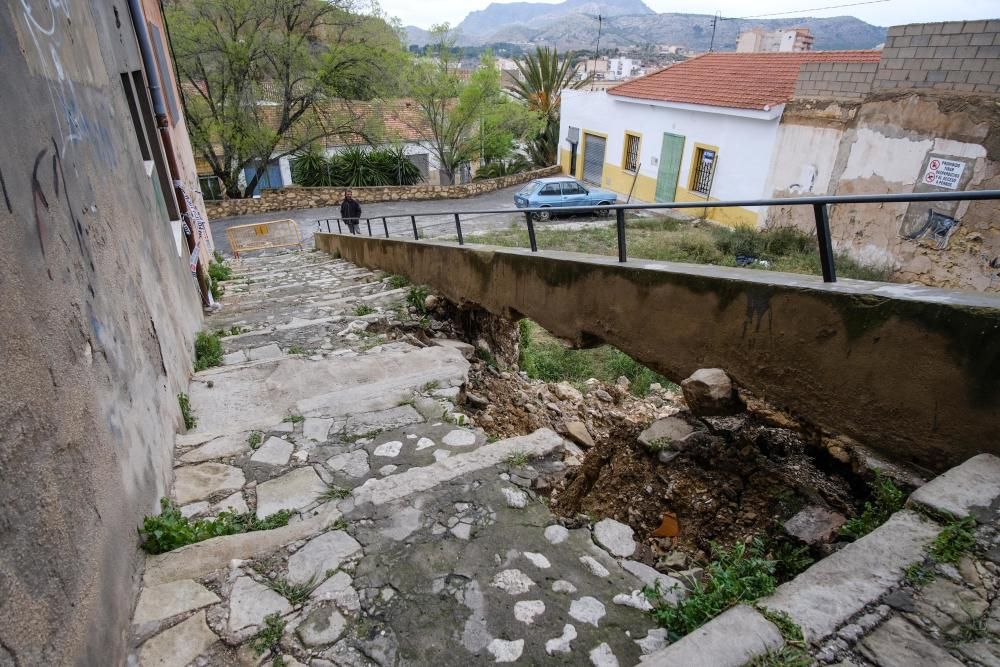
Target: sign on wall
(933, 223)
(943, 173)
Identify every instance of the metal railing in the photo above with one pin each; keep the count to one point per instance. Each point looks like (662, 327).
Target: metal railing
(820, 206)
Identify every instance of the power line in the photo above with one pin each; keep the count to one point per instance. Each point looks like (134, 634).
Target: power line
(803, 11)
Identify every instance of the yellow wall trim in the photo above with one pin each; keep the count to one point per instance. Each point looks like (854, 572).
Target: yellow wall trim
(736, 216)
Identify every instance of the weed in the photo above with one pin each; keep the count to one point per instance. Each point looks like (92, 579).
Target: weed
(738, 575)
(398, 282)
(340, 524)
(219, 271)
(294, 593)
(333, 492)
(786, 656)
(255, 439)
(363, 309)
(296, 349)
(887, 499)
(215, 288)
(789, 629)
(918, 575)
(417, 297)
(954, 541)
(189, 419)
(430, 386)
(487, 357)
(234, 330)
(266, 640)
(217, 256)
(294, 419)
(171, 530)
(518, 457)
(790, 560)
(279, 661)
(207, 351)
(973, 629)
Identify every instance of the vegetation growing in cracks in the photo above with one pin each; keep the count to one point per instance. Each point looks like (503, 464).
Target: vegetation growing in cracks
(887, 499)
(185, 404)
(171, 530)
(207, 351)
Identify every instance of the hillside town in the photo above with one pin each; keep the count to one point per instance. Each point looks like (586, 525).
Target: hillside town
(580, 332)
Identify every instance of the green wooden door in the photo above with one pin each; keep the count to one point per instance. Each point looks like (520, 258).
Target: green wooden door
(670, 167)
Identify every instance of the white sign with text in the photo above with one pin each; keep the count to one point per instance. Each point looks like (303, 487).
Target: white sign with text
(943, 173)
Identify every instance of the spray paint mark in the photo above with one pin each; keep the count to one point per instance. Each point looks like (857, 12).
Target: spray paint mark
(6, 197)
(38, 196)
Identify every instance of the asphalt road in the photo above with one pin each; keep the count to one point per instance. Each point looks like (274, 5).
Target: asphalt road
(430, 226)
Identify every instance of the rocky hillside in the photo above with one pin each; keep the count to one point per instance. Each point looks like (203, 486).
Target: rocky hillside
(572, 25)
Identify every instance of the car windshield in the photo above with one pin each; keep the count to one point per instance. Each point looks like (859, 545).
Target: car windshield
(528, 189)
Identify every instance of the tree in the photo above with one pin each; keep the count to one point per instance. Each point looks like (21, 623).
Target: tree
(542, 78)
(261, 77)
(464, 119)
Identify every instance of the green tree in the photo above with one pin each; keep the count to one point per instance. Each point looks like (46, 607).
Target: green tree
(462, 119)
(262, 78)
(542, 78)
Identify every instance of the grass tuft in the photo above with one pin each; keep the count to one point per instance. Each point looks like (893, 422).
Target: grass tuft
(333, 492)
(294, 419)
(887, 498)
(398, 282)
(363, 309)
(296, 594)
(190, 421)
(266, 640)
(255, 439)
(417, 297)
(171, 530)
(954, 541)
(207, 351)
(518, 458)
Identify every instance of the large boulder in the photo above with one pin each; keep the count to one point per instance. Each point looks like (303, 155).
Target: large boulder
(709, 392)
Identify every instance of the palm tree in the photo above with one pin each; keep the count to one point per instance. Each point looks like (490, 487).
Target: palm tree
(542, 79)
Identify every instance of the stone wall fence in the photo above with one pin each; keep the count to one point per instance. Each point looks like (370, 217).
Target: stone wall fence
(296, 197)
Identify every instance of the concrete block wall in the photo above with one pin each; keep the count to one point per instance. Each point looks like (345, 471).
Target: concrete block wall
(851, 81)
(960, 56)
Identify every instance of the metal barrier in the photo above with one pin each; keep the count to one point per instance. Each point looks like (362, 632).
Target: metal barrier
(264, 236)
(820, 206)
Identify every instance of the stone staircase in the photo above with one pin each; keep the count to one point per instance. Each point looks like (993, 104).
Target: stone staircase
(414, 538)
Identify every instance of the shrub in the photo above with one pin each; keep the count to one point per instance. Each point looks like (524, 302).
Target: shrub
(363, 309)
(219, 271)
(207, 351)
(398, 282)
(355, 166)
(887, 498)
(417, 297)
(498, 168)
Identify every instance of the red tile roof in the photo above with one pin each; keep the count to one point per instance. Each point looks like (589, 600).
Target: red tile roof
(736, 80)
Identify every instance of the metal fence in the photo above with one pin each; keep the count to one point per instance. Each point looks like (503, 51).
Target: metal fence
(820, 207)
(264, 236)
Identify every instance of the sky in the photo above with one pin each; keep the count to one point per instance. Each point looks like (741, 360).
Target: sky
(424, 13)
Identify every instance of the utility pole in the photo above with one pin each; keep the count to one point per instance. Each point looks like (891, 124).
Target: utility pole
(597, 51)
(715, 19)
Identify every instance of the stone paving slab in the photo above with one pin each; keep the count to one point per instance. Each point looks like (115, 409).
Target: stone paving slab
(175, 597)
(836, 588)
(728, 640)
(896, 643)
(975, 483)
(179, 645)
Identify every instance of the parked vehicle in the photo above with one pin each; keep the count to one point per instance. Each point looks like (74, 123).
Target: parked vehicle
(558, 192)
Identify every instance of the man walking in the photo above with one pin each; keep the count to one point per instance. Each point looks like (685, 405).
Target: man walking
(350, 212)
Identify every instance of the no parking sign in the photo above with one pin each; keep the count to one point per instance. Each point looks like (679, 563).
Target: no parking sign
(943, 173)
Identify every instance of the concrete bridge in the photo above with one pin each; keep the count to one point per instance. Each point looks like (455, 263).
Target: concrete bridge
(911, 371)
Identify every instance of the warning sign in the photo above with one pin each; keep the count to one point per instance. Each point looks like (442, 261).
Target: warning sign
(943, 173)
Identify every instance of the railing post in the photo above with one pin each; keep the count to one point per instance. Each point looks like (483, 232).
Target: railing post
(340, 230)
(385, 226)
(328, 225)
(413, 221)
(531, 232)
(369, 221)
(620, 224)
(822, 215)
(458, 227)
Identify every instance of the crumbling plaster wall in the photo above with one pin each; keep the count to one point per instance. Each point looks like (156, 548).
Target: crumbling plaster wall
(882, 146)
(97, 313)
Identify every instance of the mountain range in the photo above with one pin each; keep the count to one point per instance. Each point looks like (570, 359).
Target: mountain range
(572, 24)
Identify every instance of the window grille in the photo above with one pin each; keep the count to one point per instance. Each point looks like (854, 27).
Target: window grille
(631, 152)
(704, 170)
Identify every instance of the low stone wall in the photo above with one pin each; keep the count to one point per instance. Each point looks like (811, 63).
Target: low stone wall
(287, 199)
(908, 370)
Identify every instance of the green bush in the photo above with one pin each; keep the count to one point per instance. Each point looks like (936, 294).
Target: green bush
(171, 530)
(355, 166)
(189, 419)
(417, 297)
(498, 168)
(219, 271)
(207, 351)
(741, 574)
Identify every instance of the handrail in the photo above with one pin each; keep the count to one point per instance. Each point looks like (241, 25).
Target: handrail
(820, 205)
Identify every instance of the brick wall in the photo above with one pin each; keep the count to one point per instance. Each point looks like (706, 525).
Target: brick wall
(292, 198)
(961, 56)
(851, 81)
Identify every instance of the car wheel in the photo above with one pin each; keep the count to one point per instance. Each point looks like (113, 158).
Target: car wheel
(604, 212)
(543, 216)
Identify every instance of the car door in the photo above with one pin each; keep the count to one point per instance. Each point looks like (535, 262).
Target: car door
(573, 194)
(549, 195)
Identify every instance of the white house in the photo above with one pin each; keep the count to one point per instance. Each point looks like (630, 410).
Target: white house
(700, 131)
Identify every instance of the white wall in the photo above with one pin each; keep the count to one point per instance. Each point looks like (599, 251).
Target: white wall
(745, 142)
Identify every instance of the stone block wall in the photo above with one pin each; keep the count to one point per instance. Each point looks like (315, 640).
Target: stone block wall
(960, 56)
(846, 81)
(291, 198)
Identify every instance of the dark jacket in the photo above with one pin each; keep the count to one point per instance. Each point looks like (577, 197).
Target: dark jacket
(350, 209)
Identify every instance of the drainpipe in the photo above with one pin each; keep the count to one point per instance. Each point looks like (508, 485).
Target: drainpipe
(163, 124)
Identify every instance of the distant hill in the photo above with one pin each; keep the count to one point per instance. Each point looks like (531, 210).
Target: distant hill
(572, 25)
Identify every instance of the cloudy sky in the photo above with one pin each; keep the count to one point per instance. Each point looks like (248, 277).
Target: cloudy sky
(424, 13)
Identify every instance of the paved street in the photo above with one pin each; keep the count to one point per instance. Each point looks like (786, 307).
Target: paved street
(438, 225)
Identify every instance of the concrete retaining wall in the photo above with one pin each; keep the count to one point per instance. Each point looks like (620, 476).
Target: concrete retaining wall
(97, 313)
(291, 198)
(907, 370)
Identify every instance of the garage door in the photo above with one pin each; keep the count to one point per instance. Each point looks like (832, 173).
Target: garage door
(593, 158)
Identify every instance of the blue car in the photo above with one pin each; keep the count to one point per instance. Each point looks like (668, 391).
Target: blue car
(560, 191)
